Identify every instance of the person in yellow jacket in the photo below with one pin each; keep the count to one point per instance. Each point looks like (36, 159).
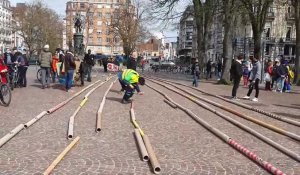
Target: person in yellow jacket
(130, 80)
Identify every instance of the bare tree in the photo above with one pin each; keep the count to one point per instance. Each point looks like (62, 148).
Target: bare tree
(296, 5)
(38, 25)
(257, 12)
(126, 23)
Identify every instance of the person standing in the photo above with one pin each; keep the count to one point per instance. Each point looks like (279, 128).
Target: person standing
(131, 63)
(219, 69)
(22, 68)
(236, 72)
(208, 69)
(196, 74)
(89, 62)
(45, 60)
(70, 66)
(268, 76)
(254, 79)
(55, 60)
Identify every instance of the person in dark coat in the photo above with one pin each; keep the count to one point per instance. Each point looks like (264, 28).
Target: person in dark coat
(89, 63)
(70, 66)
(131, 62)
(236, 72)
(208, 69)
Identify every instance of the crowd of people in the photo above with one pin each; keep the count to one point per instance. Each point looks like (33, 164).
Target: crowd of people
(16, 62)
(68, 69)
(277, 75)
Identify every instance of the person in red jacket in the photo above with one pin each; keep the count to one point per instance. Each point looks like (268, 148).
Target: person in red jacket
(55, 60)
(3, 70)
(268, 78)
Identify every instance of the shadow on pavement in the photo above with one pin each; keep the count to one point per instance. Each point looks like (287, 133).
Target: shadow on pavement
(114, 99)
(288, 115)
(294, 107)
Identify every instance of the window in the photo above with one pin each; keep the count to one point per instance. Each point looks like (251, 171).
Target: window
(99, 39)
(107, 32)
(99, 32)
(100, 14)
(107, 15)
(82, 5)
(108, 40)
(288, 33)
(268, 32)
(99, 23)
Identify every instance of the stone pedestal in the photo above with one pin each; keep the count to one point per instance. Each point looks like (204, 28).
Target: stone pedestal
(78, 44)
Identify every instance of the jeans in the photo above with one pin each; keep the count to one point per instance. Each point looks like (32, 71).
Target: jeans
(45, 76)
(89, 71)
(280, 83)
(53, 75)
(128, 90)
(69, 79)
(195, 80)
(256, 83)
(236, 83)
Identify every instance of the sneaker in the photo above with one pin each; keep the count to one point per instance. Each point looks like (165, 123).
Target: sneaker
(255, 100)
(246, 97)
(234, 98)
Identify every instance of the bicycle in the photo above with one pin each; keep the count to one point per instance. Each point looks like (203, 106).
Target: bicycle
(5, 93)
(39, 75)
(13, 76)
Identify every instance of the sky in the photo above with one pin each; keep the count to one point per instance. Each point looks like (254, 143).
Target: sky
(60, 6)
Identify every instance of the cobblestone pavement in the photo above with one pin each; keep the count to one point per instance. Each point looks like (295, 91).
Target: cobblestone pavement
(182, 146)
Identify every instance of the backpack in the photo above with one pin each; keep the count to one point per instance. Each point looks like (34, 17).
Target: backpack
(290, 72)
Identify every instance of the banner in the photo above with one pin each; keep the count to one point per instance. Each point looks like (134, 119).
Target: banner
(112, 67)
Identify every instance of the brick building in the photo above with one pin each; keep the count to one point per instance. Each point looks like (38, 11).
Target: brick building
(98, 14)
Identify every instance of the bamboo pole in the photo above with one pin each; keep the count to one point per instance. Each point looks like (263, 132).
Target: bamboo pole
(259, 122)
(267, 166)
(11, 134)
(55, 108)
(154, 162)
(71, 123)
(82, 103)
(277, 117)
(61, 156)
(100, 110)
(141, 145)
(246, 128)
(35, 119)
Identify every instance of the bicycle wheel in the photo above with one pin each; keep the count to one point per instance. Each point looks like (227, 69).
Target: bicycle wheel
(39, 75)
(5, 95)
(9, 81)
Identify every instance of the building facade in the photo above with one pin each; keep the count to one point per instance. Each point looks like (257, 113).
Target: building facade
(149, 49)
(98, 14)
(186, 33)
(278, 38)
(5, 25)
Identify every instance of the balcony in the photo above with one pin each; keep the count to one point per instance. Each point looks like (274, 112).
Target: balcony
(290, 40)
(270, 40)
(290, 16)
(270, 16)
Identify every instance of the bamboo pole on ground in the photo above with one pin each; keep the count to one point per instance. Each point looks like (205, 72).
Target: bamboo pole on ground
(61, 156)
(153, 160)
(259, 122)
(11, 134)
(35, 119)
(55, 108)
(277, 117)
(100, 109)
(141, 145)
(82, 103)
(244, 127)
(267, 166)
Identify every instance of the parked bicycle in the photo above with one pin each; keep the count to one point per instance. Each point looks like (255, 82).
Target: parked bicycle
(5, 93)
